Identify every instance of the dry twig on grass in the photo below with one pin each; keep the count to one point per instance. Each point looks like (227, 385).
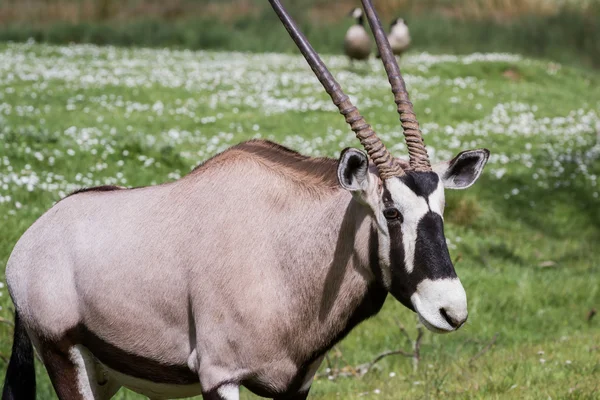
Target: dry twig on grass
(415, 354)
(332, 372)
(485, 349)
(388, 353)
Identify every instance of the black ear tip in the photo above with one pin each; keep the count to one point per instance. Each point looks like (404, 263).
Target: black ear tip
(486, 153)
(351, 152)
(344, 151)
(475, 153)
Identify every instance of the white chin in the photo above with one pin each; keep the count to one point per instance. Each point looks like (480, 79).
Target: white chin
(434, 328)
(432, 296)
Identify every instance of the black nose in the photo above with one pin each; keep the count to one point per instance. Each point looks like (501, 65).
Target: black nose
(453, 322)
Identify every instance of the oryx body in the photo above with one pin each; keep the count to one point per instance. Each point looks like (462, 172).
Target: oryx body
(244, 272)
(204, 279)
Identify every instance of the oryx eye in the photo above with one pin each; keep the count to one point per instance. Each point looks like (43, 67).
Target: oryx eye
(392, 214)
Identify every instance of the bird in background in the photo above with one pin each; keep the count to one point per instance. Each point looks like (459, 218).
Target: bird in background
(357, 42)
(399, 36)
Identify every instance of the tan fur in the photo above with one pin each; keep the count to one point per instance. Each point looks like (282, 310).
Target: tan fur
(314, 175)
(246, 269)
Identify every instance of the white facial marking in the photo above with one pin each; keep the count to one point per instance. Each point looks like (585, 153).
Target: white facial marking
(433, 295)
(413, 208)
(229, 392)
(356, 13)
(437, 200)
(384, 259)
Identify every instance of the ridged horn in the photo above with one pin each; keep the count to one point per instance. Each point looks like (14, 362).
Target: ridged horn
(386, 164)
(419, 160)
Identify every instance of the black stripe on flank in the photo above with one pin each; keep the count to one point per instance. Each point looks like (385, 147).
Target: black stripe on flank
(135, 365)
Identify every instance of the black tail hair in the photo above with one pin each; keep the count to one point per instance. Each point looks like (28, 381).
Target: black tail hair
(19, 383)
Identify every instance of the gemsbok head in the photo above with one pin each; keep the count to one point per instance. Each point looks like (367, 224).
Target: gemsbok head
(405, 199)
(245, 272)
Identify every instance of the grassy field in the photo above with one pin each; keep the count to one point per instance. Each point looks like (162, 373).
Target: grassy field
(524, 238)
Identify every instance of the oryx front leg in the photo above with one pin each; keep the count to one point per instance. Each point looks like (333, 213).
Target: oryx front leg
(306, 383)
(74, 375)
(228, 391)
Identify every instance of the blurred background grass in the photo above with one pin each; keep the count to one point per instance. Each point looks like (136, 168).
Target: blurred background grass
(567, 31)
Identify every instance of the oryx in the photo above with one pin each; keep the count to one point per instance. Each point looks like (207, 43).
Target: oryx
(244, 272)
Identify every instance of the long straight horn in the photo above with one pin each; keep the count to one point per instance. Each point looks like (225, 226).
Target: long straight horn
(419, 160)
(386, 164)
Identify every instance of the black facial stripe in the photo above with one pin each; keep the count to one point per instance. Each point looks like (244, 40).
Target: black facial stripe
(402, 286)
(421, 183)
(432, 259)
(374, 255)
(387, 196)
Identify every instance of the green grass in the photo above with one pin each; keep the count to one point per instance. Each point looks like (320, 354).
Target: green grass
(524, 237)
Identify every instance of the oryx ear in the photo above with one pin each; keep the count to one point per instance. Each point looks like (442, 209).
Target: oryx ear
(353, 169)
(463, 170)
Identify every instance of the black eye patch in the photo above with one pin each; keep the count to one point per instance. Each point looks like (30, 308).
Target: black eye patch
(387, 197)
